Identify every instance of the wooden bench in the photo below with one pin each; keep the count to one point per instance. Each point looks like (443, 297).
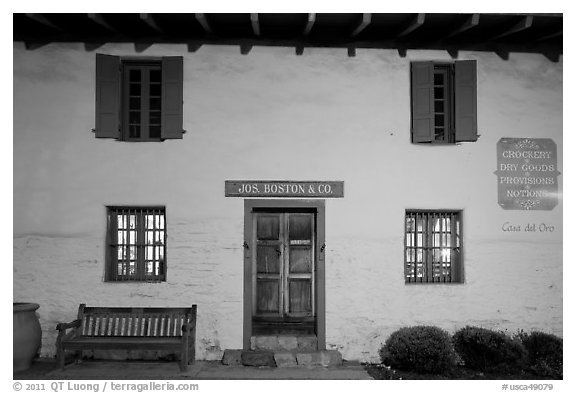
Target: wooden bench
(170, 329)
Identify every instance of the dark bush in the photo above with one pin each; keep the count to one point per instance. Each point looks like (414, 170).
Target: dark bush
(422, 349)
(545, 353)
(485, 350)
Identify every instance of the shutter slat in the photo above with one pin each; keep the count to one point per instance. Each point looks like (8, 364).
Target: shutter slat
(422, 97)
(108, 78)
(465, 92)
(172, 97)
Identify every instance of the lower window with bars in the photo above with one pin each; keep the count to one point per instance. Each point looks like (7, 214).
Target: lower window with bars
(136, 244)
(433, 246)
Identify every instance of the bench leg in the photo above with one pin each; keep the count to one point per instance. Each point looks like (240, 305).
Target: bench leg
(184, 361)
(60, 355)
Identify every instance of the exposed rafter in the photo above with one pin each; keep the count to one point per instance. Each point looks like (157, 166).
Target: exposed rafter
(504, 33)
(524, 24)
(413, 25)
(42, 19)
(150, 21)
(201, 18)
(366, 20)
(557, 33)
(309, 24)
(471, 22)
(255, 24)
(100, 20)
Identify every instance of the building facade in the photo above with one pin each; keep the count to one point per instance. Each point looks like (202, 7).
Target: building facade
(310, 195)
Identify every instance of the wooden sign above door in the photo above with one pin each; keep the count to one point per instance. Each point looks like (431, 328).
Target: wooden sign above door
(284, 189)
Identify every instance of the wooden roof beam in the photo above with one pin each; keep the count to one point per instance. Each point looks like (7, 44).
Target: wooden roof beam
(151, 21)
(551, 35)
(366, 20)
(43, 20)
(309, 24)
(201, 18)
(99, 19)
(471, 22)
(524, 24)
(255, 24)
(413, 25)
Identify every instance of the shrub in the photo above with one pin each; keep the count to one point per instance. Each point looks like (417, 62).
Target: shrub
(545, 355)
(423, 349)
(484, 349)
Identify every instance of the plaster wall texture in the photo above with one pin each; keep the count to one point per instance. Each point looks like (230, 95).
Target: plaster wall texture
(274, 115)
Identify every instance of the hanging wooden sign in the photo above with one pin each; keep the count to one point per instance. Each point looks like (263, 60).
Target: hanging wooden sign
(284, 189)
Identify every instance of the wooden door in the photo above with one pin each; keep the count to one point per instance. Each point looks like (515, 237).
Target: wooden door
(284, 265)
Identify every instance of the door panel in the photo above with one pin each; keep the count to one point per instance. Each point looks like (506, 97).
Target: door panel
(300, 292)
(268, 259)
(300, 259)
(268, 227)
(284, 264)
(267, 293)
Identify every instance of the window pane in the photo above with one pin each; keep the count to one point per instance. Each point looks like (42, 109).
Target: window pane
(155, 132)
(121, 221)
(134, 131)
(439, 106)
(438, 79)
(438, 92)
(134, 117)
(134, 103)
(135, 89)
(155, 89)
(155, 104)
(135, 76)
(439, 120)
(439, 134)
(154, 117)
(155, 75)
(133, 237)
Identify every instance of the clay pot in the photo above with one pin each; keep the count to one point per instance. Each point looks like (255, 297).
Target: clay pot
(27, 335)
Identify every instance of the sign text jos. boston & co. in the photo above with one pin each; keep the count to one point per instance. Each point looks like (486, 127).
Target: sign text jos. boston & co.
(527, 174)
(284, 189)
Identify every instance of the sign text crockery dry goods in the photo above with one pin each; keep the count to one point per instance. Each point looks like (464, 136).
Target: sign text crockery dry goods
(284, 189)
(527, 174)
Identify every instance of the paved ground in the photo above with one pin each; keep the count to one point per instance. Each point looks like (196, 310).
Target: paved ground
(201, 370)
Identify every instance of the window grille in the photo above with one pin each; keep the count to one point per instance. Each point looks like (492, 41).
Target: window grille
(433, 246)
(136, 244)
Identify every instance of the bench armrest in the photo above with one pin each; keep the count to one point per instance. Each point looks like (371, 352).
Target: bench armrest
(63, 326)
(187, 327)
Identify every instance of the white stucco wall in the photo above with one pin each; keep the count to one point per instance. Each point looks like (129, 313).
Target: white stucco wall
(274, 115)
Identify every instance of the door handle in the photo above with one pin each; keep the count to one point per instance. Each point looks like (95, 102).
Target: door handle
(278, 252)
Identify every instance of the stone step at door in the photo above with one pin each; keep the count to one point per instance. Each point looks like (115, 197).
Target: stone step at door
(239, 357)
(283, 343)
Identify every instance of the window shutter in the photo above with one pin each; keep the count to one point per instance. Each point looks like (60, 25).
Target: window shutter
(111, 250)
(465, 92)
(172, 97)
(422, 81)
(107, 96)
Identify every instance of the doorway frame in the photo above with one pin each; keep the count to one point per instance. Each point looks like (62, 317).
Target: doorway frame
(320, 254)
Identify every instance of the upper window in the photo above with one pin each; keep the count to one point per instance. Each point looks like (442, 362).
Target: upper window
(136, 244)
(139, 100)
(433, 247)
(443, 102)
